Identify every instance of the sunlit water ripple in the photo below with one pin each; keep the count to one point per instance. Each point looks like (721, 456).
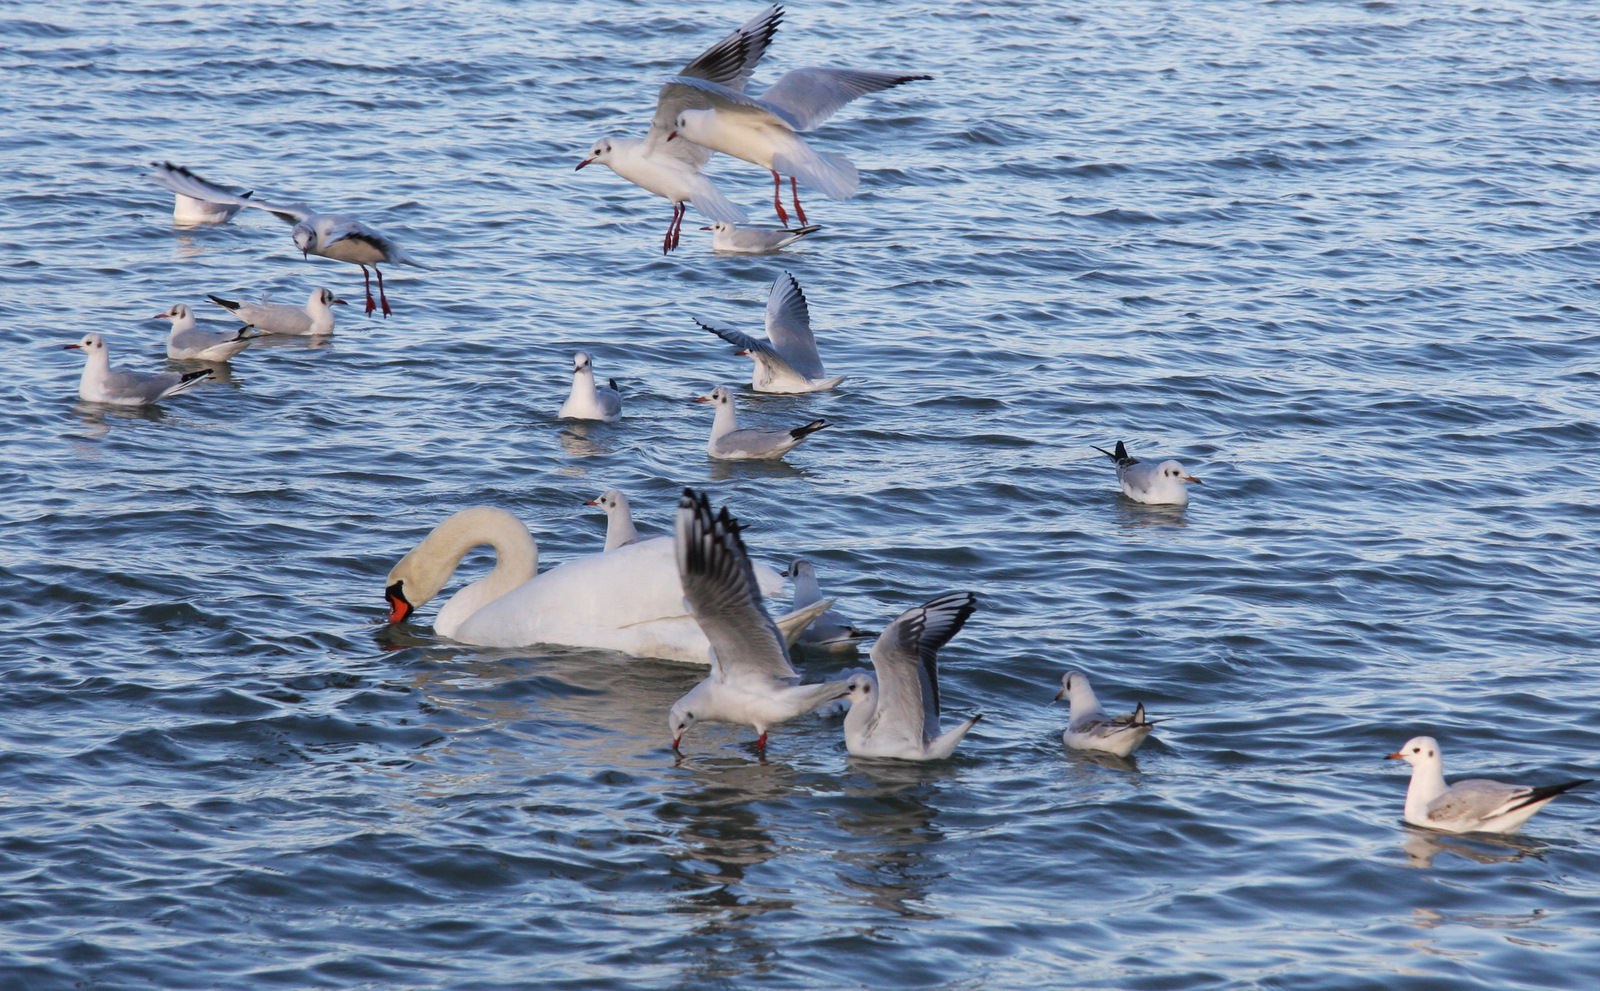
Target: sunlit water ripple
(1338, 258)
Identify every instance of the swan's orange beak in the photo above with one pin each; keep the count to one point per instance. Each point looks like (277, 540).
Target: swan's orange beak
(399, 608)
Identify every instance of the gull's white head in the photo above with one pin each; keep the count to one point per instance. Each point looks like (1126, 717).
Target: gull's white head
(580, 363)
(1419, 751)
(860, 688)
(327, 298)
(90, 344)
(720, 226)
(610, 500)
(305, 237)
(601, 152)
(680, 719)
(1075, 686)
(178, 312)
(1172, 471)
(689, 124)
(720, 396)
(800, 568)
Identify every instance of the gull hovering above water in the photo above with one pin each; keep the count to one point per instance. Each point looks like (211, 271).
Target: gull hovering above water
(787, 361)
(671, 169)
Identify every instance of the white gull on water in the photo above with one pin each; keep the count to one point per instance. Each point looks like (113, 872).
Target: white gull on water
(190, 343)
(729, 442)
(315, 319)
(1476, 805)
(587, 400)
(671, 169)
(896, 712)
(788, 360)
(1088, 726)
(733, 239)
(100, 383)
(752, 681)
(1164, 484)
(831, 631)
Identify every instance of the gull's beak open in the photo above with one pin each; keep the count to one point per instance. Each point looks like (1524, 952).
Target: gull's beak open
(399, 608)
(581, 164)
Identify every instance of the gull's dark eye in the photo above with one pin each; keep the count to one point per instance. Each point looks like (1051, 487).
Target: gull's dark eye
(1416, 750)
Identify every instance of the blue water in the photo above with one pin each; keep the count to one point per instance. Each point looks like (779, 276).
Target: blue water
(1339, 258)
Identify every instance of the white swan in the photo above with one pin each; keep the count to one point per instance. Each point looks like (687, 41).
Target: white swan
(629, 599)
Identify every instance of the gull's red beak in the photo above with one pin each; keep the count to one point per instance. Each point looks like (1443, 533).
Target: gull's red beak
(698, 399)
(708, 228)
(745, 351)
(672, 135)
(161, 316)
(1397, 755)
(339, 302)
(581, 164)
(75, 347)
(1191, 478)
(399, 608)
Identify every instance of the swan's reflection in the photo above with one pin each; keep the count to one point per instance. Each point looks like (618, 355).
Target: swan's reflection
(1421, 846)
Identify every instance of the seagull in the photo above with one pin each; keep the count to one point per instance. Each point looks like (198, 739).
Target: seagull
(344, 239)
(762, 130)
(1162, 484)
(672, 169)
(315, 319)
(896, 713)
(729, 443)
(103, 384)
(732, 239)
(788, 360)
(830, 631)
(196, 200)
(619, 519)
(1088, 726)
(189, 343)
(1476, 805)
(751, 680)
(588, 401)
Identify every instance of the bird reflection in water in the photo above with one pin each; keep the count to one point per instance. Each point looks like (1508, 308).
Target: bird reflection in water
(1421, 845)
(1139, 516)
(586, 440)
(892, 832)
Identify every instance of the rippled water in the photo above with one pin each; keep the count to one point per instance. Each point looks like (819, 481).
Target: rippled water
(1339, 258)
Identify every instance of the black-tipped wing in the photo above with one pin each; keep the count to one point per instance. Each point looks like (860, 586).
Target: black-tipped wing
(724, 597)
(810, 96)
(185, 183)
(789, 327)
(906, 659)
(733, 60)
(745, 342)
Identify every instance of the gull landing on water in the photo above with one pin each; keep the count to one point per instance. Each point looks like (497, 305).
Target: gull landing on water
(896, 713)
(752, 681)
(1477, 805)
(1164, 484)
(787, 361)
(189, 343)
(730, 443)
(672, 169)
(101, 383)
(1088, 726)
(588, 401)
(733, 239)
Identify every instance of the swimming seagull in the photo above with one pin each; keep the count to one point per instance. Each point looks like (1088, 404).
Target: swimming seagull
(672, 169)
(315, 319)
(1088, 726)
(103, 384)
(729, 443)
(619, 519)
(196, 200)
(588, 401)
(762, 130)
(1477, 805)
(896, 713)
(752, 681)
(1162, 484)
(830, 631)
(754, 240)
(787, 361)
(189, 343)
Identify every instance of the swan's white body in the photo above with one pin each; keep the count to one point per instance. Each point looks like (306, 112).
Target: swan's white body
(629, 600)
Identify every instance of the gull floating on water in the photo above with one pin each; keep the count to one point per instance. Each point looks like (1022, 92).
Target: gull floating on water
(730, 443)
(1161, 484)
(830, 631)
(762, 130)
(1477, 805)
(734, 239)
(315, 319)
(671, 169)
(787, 361)
(196, 200)
(189, 343)
(1088, 726)
(896, 713)
(588, 401)
(752, 681)
(619, 519)
(121, 386)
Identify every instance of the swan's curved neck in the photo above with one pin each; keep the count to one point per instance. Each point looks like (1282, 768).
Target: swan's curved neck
(424, 571)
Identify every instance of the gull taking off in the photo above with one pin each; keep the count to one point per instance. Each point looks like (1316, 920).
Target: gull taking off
(315, 319)
(619, 519)
(588, 401)
(896, 713)
(672, 169)
(751, 680)
(196, 200)
(1477, 805)
(1088, 726)
(189, 343)
(103, 384)
(1165, 484)
(763, 130)
(787, 361)
(736, 240)
(729, 443)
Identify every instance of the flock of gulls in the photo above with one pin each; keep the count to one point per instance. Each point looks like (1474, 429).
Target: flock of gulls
(696, 596)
